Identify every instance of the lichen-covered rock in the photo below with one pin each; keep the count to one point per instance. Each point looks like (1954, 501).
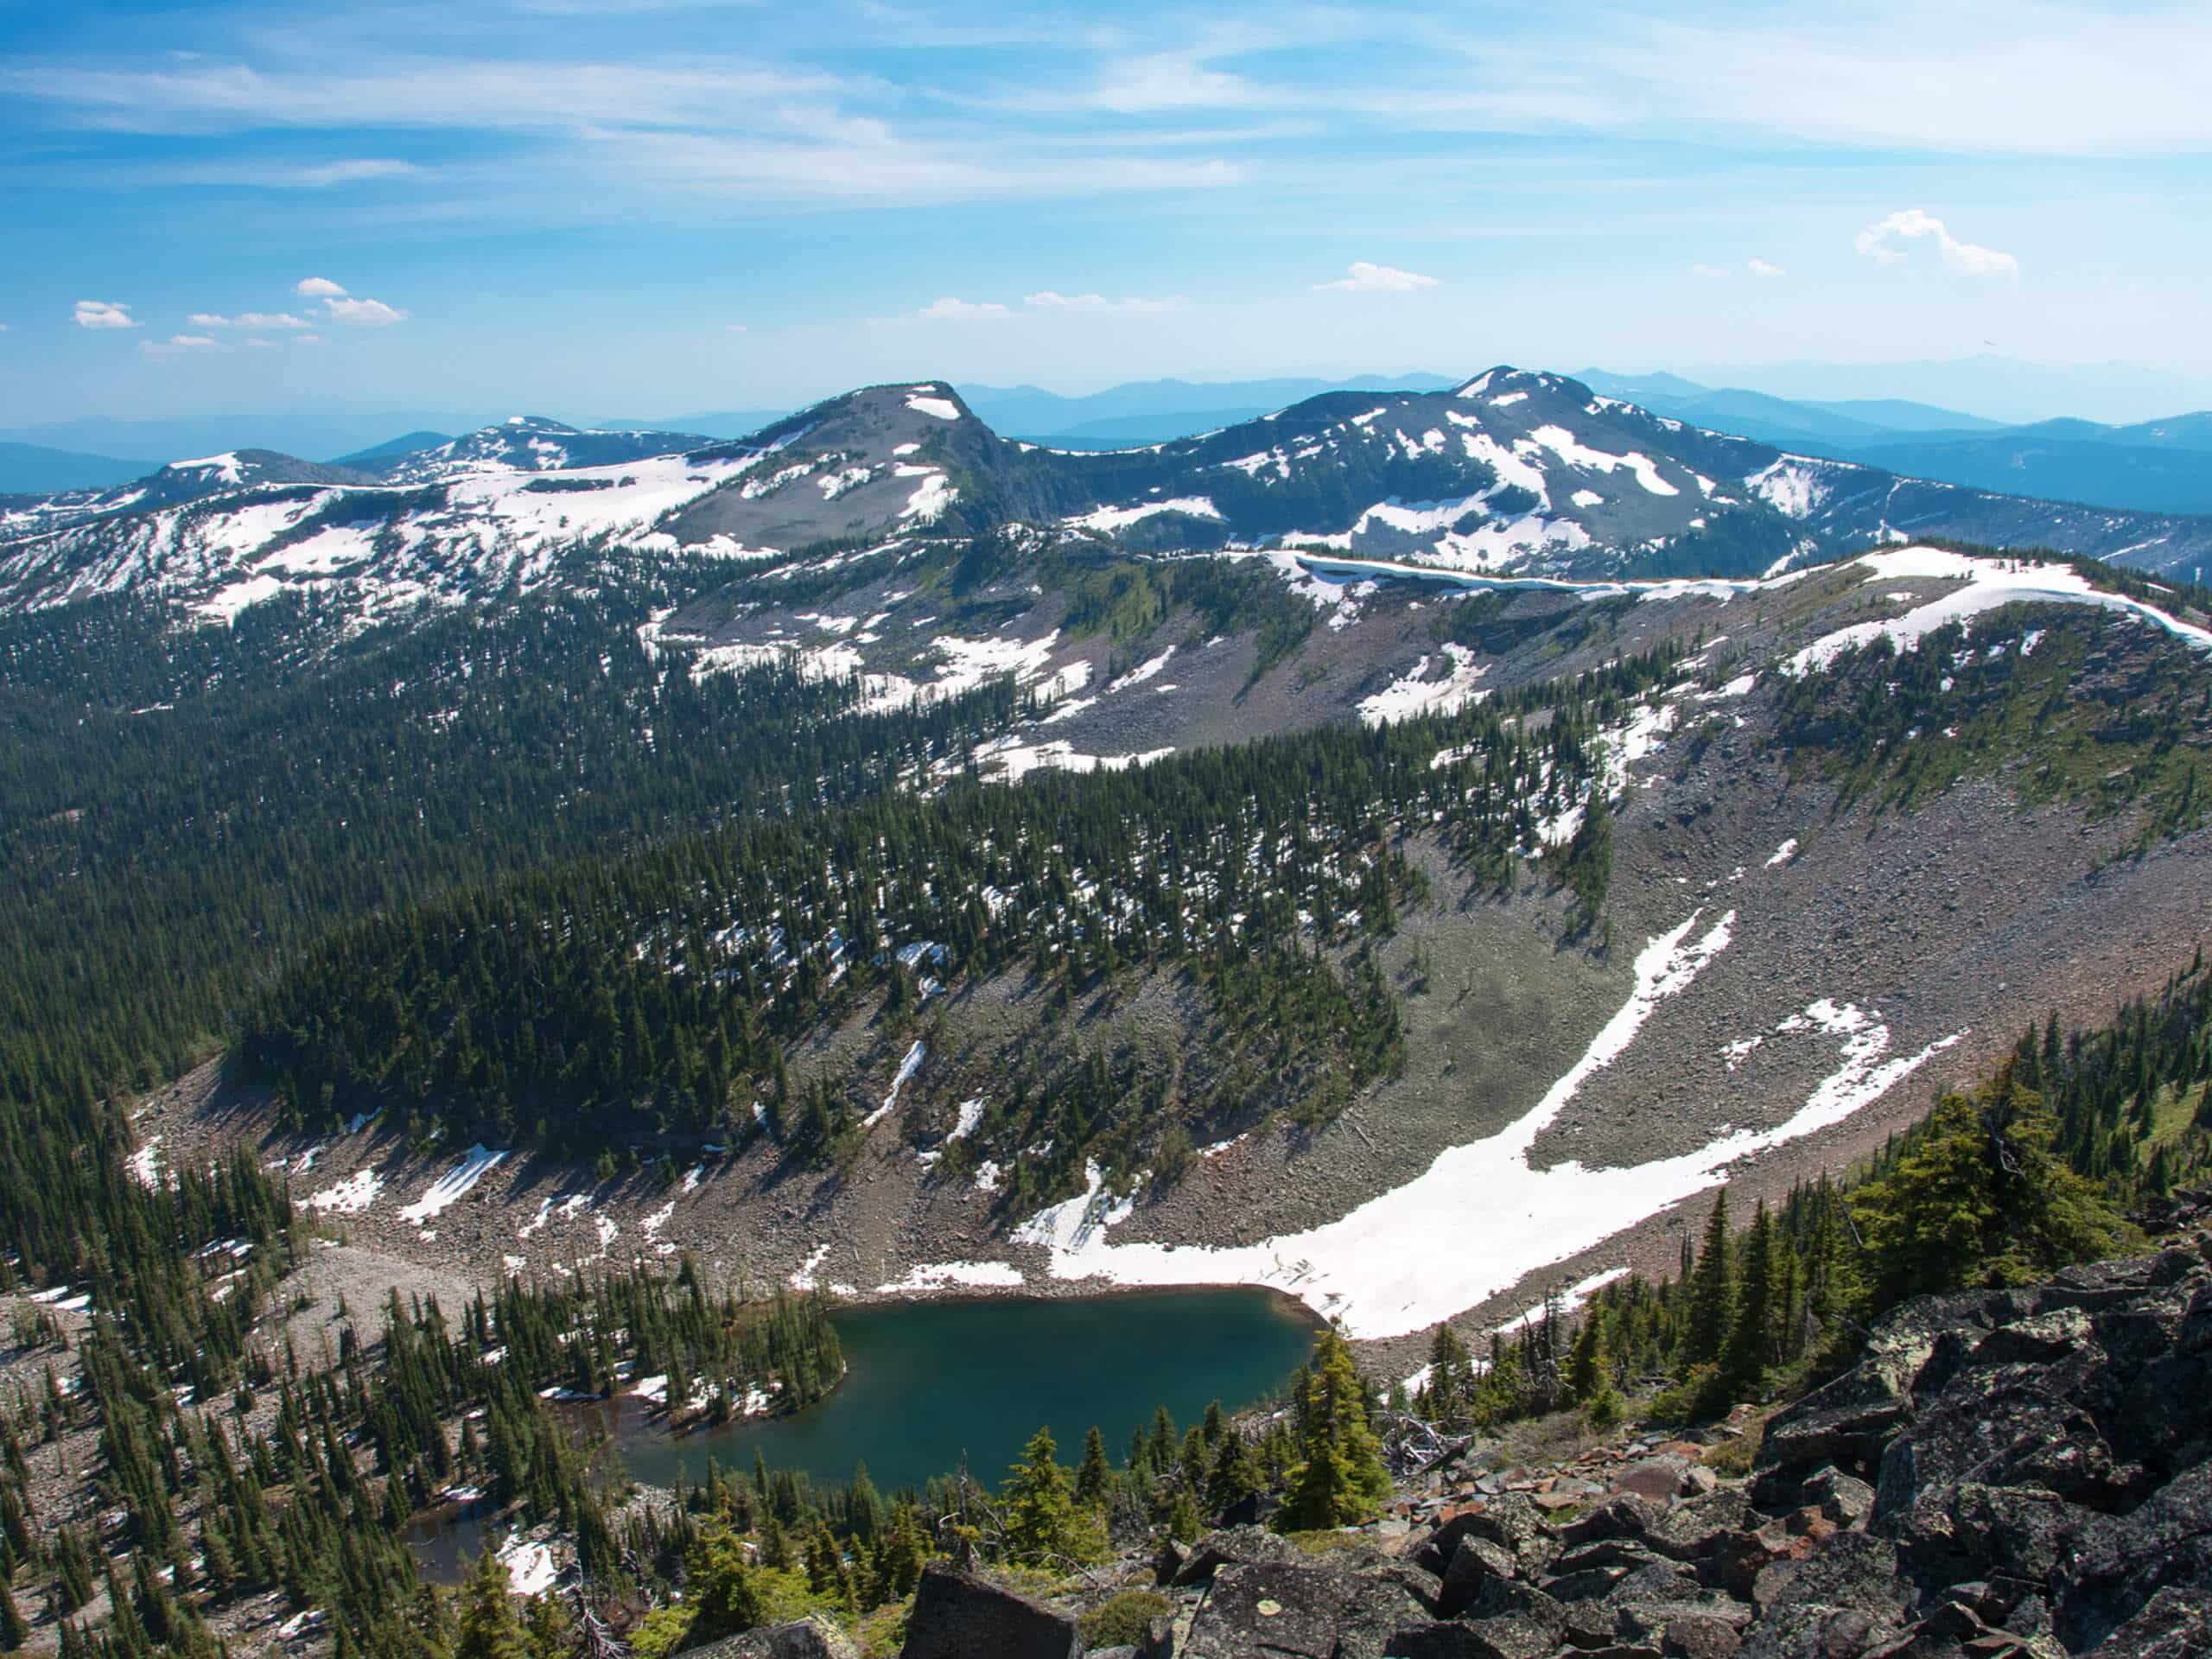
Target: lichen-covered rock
(1230, 1546)
(1273, 1610)
(1842, 1600)
(959, 1616)
(806, 1638)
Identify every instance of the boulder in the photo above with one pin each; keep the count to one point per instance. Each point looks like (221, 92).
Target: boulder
(1649, 1621)
(1231, 1546)
(1699, 1636)
(1273, 1610)
(1659, 1478)
(1626, 1515)
(1478, 1639)
(2122, 1564)
(959, 1616)
(2176, 1624)
(1973, 1531)
(1844, 1499)
(806, 1638)
(1474, 1561)
(1842, 1600)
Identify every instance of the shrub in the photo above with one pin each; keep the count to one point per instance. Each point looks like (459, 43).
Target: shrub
(1121, 1621)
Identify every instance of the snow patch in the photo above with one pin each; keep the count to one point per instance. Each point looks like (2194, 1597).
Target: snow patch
(454, 1184)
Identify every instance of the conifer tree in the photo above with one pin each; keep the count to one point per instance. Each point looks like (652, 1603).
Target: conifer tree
(1977, 1198)
(488, 1628)
(1712, 1289)
(1755, 1342)
(724, 1585)
(1340, 1479)
(1043, 1521)
(1094, 1477)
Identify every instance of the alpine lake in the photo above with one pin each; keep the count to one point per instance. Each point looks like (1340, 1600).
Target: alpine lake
(931, 1386)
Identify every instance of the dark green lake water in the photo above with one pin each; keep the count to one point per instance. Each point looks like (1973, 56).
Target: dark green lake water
(929, 1383)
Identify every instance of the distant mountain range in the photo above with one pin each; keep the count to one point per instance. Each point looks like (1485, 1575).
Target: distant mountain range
(2161, 466)
(1515, 472)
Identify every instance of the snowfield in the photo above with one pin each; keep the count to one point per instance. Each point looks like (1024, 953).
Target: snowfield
(452, 1187)
(1989, 583)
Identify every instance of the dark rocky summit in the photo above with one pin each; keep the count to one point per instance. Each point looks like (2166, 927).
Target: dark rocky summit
(2020, 1472)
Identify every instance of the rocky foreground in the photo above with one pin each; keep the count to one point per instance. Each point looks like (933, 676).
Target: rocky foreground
(2015, 1472)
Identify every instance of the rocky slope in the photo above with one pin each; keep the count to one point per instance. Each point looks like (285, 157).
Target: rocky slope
(2023, 1472)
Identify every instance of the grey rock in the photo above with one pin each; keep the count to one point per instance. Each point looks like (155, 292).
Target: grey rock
(1699, 1636)
(807, 1638)
(2123, 1563)
(1624, 1515)
(959, 1616)
(1844, 1499)
(1843, 1598)
(1647, 1621)
(1232, 1546)
(1474, 1561)
(1273, 1610)
(2176, 1624)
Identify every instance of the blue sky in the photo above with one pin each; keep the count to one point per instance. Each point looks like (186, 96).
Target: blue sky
(649, 206)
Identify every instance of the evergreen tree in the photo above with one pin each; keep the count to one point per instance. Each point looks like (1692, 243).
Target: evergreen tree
(1043, 1521)
(1094, 1479)
(488, 1628)
(1712, 1289)
(1977, 1198)
(723, 1586)
(1340, 1479)
(1755, 1342)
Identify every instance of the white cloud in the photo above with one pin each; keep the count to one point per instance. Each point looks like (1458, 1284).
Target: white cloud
(323, 175)
(260, 345)
(949, 310)
(250, 320)
(733, 328)
(307, 340)
(1761, 268)
(177, 345)
(1879, 243)
(1049, 300)
(102, 314)
(1367, 279)
(320, 287)
(1707, 270)
(364, 313)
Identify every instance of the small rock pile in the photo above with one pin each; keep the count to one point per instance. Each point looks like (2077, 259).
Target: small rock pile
(2008, 1473)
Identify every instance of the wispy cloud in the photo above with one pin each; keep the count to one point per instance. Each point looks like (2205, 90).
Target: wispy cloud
(250, 320)
(363, 314)
(949, 310)
(1762, 268)
(1879, 241)
(102, 314)
(319, 288)
(1049, 301)
(1701, 270)
(177, 345)
(1365, 278)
